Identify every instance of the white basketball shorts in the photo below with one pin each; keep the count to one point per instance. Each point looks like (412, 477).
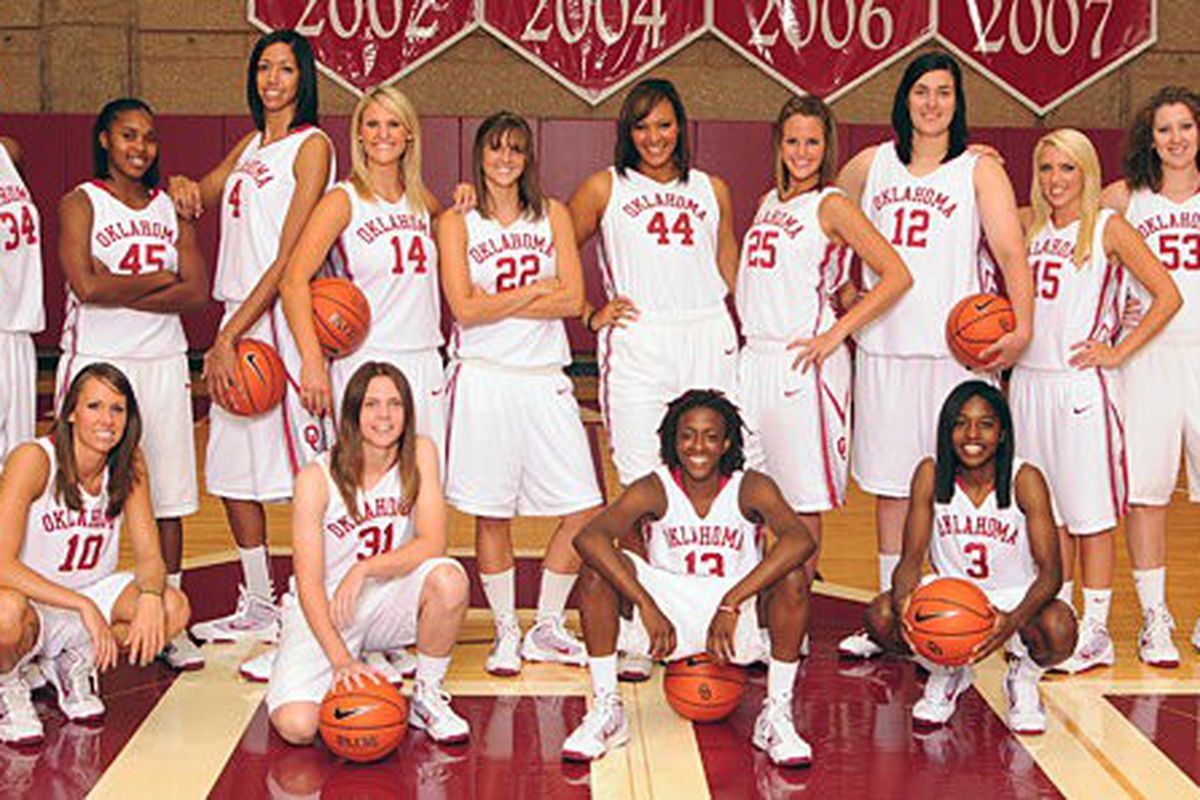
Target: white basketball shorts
(1161, 394)
(18, 390)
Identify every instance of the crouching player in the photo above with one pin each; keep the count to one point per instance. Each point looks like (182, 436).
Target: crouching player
(983, 516)
(695, 589)
(368, 537)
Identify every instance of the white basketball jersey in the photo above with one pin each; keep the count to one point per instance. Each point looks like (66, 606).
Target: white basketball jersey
(658, 243)
(722, 543)
(127, 241)
(1071, 304)
(933, 223)
(389, 253)
(1172, 231)
(71, 548)
(254, 205)
(500, 259)
(987, 545)
(788, 269)
(20, 254)
(382, 527)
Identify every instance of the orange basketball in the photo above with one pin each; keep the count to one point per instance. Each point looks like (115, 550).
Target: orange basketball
(702, 690)
(258, 379)
(975, 324)
(363, 723)
(342, 315)
(947, 618)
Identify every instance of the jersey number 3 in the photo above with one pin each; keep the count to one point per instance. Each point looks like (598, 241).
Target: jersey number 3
(977, 566)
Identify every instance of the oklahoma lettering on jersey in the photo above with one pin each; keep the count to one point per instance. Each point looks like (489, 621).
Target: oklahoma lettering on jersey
(721, 544)
(20, 254)
(658, 243)
(1172, 232)
(388, 251)
(73, 549)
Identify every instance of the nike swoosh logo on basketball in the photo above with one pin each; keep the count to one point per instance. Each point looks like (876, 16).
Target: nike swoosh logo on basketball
(346, 713)
(924, 616)
(982, 306)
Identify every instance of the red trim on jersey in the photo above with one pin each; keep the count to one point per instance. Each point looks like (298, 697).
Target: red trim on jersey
(822, 271)
(826, 456)
(451, 395)
(1114, 440)
(293, 458)
(1110, 268)
(154, 190)
(610, 287)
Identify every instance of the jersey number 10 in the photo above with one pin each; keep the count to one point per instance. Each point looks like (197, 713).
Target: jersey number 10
(83, 552)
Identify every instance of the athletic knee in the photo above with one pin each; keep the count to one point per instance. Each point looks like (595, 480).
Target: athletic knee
(792, 588)
(296, 723)
(880, 619)
(16, 618)
(446, 584)
(1056, 632)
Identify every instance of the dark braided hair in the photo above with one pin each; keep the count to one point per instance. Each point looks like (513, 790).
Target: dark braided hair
(733, 458)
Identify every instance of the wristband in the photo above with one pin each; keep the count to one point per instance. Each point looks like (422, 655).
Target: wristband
(587, 320)
(156, 592)
(729, 610)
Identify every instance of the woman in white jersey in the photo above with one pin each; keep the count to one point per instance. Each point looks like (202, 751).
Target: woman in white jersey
(265, 189)
(932, 199)
(133, 266)
(1067, 417)
(982, 515)
(63, 499)
(515, 444)
(368, 544)
(1160, 196)
(669, 256)
(794, 375)
(21, 311)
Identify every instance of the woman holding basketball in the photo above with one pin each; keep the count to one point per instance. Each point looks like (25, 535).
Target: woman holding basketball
(1160, 196)
(932, 198)
(266, 188)
(974, 488)
(515, 443)
(1060, 390)
(63, 500)
(368, 545)
(132, 267)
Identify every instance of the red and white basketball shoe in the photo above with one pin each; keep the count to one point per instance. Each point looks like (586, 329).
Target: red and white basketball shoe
(942, 690)
(604, 727)
(255, 618)
(775, 734)
(19, 722)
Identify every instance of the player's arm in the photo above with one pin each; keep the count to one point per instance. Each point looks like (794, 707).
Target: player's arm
(998, 213)
(147, 629)
(89, 280)
(190, 292)
(727, 244)
(1116, 196)
(918, 528)
(566, 300)
(760, 499)
(192, 197)
(595, 542)
(853, 178)
(588, 203)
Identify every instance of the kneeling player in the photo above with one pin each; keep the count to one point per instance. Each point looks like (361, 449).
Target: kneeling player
(368, 537)
(983, 516)
(695, 591)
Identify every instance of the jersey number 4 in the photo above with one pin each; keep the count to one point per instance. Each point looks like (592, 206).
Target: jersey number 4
(705, 564)
(12, 229)
(83, 552)
(682, 227)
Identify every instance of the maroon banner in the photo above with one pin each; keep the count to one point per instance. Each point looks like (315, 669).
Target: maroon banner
(1044, 51)
(365, 43)
(594, 47)
(823, 47)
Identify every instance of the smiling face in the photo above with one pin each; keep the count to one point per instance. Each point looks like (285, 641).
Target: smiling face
(655, 136)
(976, 434)
(278, 77)
(131, 143)
(504, 160)
(381, 418)
(383, 135)
(1175, 136)
(99, 417)
(1060, 179)
(700, 441)
(931, 102)
(802, 148)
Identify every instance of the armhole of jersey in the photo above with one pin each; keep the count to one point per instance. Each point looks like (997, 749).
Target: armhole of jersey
(612, 190)
(47, 446)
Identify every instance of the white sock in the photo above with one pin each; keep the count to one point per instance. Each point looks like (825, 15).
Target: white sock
(781, 678)
(1151, 585)
(1095, 605)
(1067, 593)
(552, 599)
(431, 670)
(256, 568)
(500, 588)
(175, 580)
(604, 674)
(887, 565)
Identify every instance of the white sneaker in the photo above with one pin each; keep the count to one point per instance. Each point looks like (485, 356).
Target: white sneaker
(859, 645)
(430, 711)
(256, 618)
(31, 673)
(775, 734)
(76, 685)
(404, 662)
(258, 669)
(603, 728)
(181, 653)
(378, 662)
(1026, 714)
(942, 689)
(549, 640)
(634, 667)
(19, 722)
(1094, 649)
(1155, 644)
(505, 659)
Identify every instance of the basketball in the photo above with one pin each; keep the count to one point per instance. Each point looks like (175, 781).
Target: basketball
(341, 314)
(975, 323)
(946, 618)
(363, 723)
(259, 379)
(702, 690)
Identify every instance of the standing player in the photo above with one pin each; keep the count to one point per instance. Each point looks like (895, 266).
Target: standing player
(132, 267)
(696, 591)
(794, 376)
(63, 499)
(515, 443)
(1160, 196)
(21, 312)
(984, 516)
(368, 544)
(931, 198)
(1062, 405)
(266, 187)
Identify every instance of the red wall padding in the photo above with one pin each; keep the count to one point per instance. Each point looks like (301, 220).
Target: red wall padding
(58, 155)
